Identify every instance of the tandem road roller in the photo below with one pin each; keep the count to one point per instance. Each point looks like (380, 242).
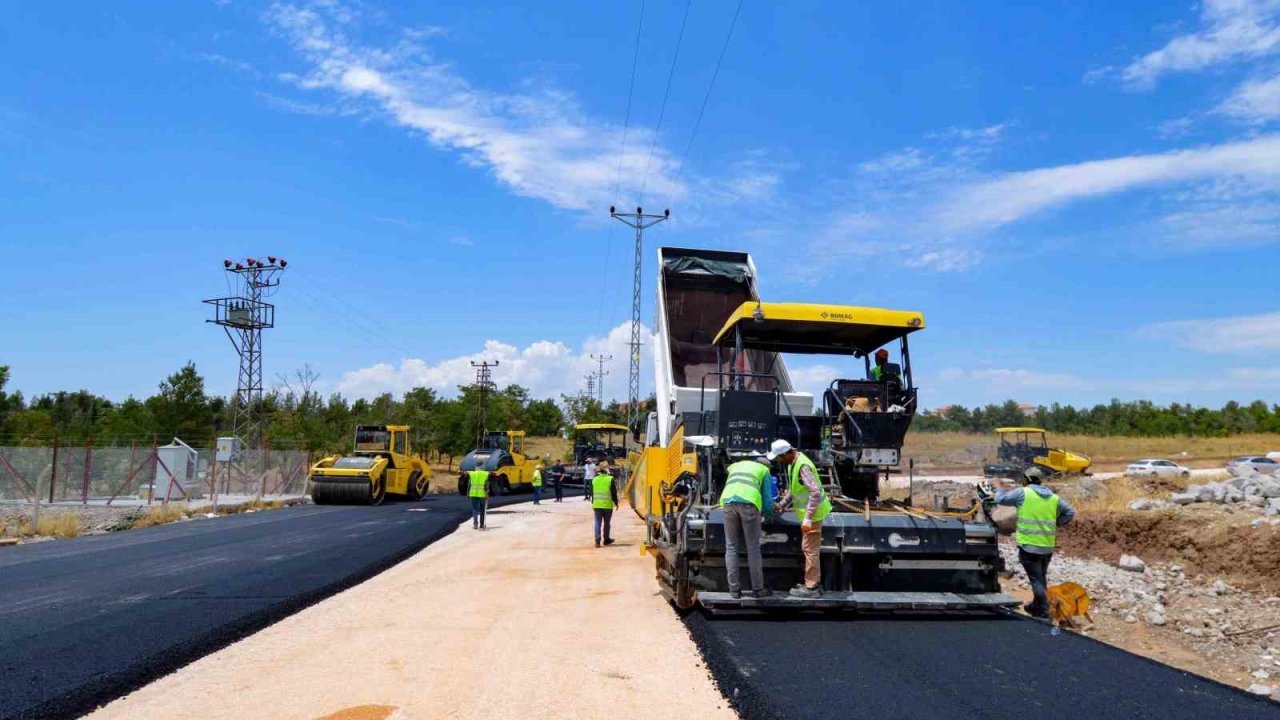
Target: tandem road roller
(381, 464)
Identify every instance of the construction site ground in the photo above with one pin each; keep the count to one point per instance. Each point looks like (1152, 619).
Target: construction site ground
(527, 619)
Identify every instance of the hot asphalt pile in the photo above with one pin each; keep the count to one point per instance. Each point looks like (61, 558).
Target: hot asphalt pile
(83, 621)
(956, 667)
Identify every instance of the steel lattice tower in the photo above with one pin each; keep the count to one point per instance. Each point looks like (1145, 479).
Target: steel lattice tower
(601, 359)
(244, 316)
(639, 221)
(484, 381)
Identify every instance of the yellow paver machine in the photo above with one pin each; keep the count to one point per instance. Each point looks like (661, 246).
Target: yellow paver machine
(382, 464)
(724, 393)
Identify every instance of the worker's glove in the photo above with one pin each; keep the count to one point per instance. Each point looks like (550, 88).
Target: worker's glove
(986, 493)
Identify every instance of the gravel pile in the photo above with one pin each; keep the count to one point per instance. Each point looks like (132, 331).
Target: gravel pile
(1213, 618)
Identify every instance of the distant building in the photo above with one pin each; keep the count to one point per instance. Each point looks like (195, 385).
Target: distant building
(1027, 409)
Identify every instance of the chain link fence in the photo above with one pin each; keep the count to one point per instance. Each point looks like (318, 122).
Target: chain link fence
(115, 475)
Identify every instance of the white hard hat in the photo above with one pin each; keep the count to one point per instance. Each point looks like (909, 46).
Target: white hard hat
(779, 447)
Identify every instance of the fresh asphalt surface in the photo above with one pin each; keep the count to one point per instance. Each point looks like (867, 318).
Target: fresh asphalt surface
(955, 667)
(84, 621)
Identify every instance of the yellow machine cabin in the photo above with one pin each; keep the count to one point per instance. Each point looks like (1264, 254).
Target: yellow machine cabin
(502, 454)
(382, 463)
(1026, 447)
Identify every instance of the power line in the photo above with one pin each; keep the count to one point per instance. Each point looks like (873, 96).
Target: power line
(622, 153)
(644, 181)
(710, 86)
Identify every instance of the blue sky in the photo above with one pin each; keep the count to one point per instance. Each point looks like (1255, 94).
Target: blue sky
(1083, 198)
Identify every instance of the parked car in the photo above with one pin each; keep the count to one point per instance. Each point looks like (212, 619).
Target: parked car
(1157, 468)
(1250, 464)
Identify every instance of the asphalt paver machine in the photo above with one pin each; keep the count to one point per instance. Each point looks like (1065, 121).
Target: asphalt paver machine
(724, 393)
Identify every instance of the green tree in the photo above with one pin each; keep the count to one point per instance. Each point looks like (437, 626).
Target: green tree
(182, 409)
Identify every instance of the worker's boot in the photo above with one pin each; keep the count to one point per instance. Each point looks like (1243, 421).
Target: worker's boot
(597, 543)
(759, 594)
(806, 592)
(608, 541)
(735, 593)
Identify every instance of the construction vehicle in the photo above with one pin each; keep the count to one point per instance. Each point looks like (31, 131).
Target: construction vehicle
(1026, 447)
(601, 441)
(382, 464)
(724, 393)
(502, 454)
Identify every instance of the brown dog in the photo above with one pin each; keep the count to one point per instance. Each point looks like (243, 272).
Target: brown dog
(1068, 601)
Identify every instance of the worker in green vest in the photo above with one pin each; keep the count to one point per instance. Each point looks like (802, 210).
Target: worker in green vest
(1040, 513)
(537, 485)
(604, 498)
(743, 500)
(478, 491)
(811, 505)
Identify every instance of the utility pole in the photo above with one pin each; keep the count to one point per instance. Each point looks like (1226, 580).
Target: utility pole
(484, 381)
(640, 222)
(601, 359)
(244, 316)
(591, 384)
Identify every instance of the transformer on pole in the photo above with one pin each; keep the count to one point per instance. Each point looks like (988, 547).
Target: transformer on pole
(639, 221)
(243, 317)
(484, 381)
(601, 359)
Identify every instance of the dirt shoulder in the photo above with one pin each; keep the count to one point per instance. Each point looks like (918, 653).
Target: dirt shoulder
(527, 619)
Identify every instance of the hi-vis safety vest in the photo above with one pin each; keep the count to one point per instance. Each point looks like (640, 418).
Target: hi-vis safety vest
(800, 491)
(745, 484)
(476, 488)
(537, 478)
(1037, 520)
(601, 498)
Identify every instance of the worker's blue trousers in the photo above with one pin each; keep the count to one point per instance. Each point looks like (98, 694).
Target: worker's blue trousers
(537, 494)
(605, 517)
(477, 511)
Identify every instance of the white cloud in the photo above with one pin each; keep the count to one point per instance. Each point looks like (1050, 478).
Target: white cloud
(547, 368)
(814, 378)
(1014, 196)
(537, 143)
(1255, 101)
(1242, 334)
(1230, 30)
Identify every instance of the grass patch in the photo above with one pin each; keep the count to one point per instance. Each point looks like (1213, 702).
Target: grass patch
(1116, 495)
(63, 525)
(159, 515)
(254, 505)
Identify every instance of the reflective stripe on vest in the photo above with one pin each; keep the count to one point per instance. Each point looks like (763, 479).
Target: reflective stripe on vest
(1037, 520)
(601, 498)
(745, 484)
(800, 491)
(537, 478)
(476, 480)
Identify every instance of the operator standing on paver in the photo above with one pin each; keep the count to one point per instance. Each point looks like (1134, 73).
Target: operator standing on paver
(743, 500)
(1040, 513)
(811, 505)
(478, 491)
(604, 498)
(537, 485)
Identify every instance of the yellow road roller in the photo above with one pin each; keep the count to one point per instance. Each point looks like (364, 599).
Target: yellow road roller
(381, 464)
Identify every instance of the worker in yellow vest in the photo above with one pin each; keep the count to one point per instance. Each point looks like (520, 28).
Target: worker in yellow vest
(604, 498)
(1040, 513)
(811, 505)
(478, 491)
(537, 485)
(742, 500)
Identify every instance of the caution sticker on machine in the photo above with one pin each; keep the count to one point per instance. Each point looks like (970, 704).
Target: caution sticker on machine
(879, 456)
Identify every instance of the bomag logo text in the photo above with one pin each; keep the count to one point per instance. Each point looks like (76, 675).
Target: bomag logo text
(837, 316)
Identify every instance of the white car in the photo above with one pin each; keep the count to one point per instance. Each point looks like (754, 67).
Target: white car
(1250, 464)
(1157, 468)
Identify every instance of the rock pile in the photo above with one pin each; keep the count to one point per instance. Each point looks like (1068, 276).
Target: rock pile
(1252, 489)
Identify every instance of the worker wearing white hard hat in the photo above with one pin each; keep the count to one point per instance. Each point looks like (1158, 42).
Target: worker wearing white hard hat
(811, 505)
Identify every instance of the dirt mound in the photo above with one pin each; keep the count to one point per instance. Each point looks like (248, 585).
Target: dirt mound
(1202, 542)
